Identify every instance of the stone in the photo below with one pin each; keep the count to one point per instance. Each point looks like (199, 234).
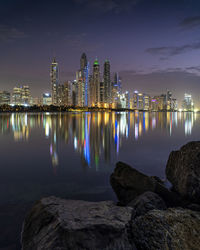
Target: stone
(170, 229)
(146, 202)
(128, 183)
(58, 224)
(183, 171)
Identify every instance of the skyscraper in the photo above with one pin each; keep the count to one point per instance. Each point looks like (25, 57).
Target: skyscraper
(26, 96)
(17, 96)
(54, 82)
(82, 78)
(116, 90)
(96, 83)
(83, 63)
(188, 104)
(107, 83)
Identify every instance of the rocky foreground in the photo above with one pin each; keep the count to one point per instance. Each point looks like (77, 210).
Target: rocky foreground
(147, 216)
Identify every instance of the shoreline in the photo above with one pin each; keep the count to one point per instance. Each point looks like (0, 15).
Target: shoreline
(44, 109)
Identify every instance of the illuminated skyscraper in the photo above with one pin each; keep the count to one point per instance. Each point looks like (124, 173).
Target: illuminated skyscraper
(169, 100)
(83, 63)
(46, 99)
(96, 83)
(146, 102)
(67, 93)
(188, 104)
(17, 96)
(116, 90)
(82, 78)
(107, 83)
(26, 96)
(54, 82)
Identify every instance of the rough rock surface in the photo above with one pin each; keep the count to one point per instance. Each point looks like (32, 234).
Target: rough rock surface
(128, 183)
(172, 229)
(57, 224)
(146, 202)
(183, 171)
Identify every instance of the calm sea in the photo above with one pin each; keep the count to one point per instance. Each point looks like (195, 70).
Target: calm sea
(72, 155)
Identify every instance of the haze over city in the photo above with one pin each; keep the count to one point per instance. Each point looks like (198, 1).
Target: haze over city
(154, 45)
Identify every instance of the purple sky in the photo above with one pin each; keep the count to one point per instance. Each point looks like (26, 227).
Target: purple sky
(155, 45)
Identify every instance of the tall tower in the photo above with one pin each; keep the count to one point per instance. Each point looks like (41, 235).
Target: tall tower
(107, 83)
(83, 63)
(54, 82)
(96, 82)
(82, 81)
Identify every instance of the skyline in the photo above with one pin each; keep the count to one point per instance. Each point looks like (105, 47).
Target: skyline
(154, 46)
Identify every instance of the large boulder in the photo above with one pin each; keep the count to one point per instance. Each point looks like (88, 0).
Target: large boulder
(172, 229)
(183, 171)
(58, 224)
(128, 183)
(146, 202)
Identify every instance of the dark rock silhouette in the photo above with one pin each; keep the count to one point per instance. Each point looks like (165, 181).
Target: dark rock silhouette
(173, 229)
(128, 183)
(183, 171)
(55, 223)
(146, 202)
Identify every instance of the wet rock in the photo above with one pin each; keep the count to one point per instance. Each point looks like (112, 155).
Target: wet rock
(146, 202)
(56, 224)
(183, 171)
(128, 183)
(171, 229)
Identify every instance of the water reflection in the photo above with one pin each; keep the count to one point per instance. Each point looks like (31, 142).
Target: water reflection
(95, 136)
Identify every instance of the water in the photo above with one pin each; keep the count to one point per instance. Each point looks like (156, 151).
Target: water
(72, 155)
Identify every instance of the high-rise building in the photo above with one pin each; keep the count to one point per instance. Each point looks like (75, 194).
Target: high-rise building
(146, 104)
(101, 95)
(46, 99)
(135, 102)
(26, 95)
(96, 84)
(140, 101)
(116, 90)
(21, 95)
(54, 82)
(67, 93)
(127, 98)
(169, 100)
(60, 94)
(107, 83)
(83, 63)
(4, 98)
(17, 96)
(188, 104)
(82, 79)
(90, 91)
(74, 93)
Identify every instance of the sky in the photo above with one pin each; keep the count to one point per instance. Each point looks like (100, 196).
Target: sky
(153, 44)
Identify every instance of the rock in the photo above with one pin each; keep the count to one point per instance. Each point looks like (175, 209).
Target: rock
(172, 229)
(58, 224)
(146, 202)
(183, 171)
(128, 183)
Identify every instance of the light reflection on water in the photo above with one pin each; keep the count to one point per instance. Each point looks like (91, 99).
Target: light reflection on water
(93, 135)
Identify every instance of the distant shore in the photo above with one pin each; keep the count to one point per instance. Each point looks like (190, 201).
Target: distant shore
(51, 108)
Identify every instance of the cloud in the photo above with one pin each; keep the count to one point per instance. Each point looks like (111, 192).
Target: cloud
(190, 22)
(173, 50)
(10, 33)
(104, 6)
